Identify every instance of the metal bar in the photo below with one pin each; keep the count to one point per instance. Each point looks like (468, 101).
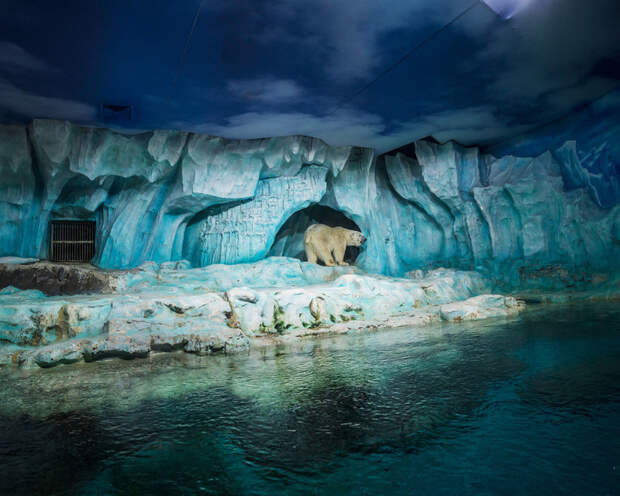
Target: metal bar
(72, 241)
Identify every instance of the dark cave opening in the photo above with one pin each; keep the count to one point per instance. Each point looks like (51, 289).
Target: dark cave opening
(289, 241)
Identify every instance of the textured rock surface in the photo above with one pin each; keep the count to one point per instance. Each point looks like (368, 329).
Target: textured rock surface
(505, 214)
(52, 330)
(219, 308)
(56, 279)
(480, 307)
(591, 136)
(249, 229)
(170, 277)
(273, 272)
(350, 297)
(17, 260)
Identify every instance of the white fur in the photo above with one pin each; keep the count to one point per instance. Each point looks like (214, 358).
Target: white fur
(329, 243)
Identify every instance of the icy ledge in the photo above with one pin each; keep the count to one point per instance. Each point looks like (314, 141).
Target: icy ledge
(228, 308)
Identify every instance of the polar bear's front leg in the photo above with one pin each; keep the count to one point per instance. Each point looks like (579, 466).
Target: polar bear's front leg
(339, 253)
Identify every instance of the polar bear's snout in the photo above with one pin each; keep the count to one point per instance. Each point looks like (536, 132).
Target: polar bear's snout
(360, 239)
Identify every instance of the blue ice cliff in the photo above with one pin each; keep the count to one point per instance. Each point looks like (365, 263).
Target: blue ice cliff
(168, 195)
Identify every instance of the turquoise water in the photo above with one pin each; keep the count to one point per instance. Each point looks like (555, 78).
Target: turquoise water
(523, 406)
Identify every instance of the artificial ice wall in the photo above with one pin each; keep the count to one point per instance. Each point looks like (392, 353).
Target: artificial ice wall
(171, 195)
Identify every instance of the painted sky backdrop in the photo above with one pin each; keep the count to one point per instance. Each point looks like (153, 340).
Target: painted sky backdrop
(265, 68)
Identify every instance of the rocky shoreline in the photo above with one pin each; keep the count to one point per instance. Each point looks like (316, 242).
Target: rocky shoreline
(223, 308)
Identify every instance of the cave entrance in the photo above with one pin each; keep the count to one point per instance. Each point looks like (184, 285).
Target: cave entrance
(289, 241)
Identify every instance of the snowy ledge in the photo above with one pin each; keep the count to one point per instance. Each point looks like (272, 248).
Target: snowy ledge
(227, 309)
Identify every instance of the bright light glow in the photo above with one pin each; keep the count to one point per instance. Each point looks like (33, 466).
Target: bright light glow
(507, 8)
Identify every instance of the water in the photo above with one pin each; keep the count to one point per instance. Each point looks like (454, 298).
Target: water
(523, 406)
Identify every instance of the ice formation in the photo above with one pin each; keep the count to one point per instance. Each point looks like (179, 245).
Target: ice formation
(168, 195)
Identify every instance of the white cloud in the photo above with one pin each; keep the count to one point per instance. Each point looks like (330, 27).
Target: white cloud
(266, 90)
(26, 104)
(348, 127)
(469, 126)
(14, 58)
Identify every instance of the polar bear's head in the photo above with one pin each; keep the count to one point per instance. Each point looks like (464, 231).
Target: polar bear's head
(355, 238)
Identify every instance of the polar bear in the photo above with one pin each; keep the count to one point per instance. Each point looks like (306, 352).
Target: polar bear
(330, 243)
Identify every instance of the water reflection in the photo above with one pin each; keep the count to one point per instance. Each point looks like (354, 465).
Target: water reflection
(386, 413)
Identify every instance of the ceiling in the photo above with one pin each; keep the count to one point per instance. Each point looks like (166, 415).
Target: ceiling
(371, 72)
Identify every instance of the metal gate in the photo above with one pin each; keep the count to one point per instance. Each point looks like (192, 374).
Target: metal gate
(72, 240)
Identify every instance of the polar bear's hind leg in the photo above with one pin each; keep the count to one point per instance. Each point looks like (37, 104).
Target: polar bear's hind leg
(325, 254)
(310, 253)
